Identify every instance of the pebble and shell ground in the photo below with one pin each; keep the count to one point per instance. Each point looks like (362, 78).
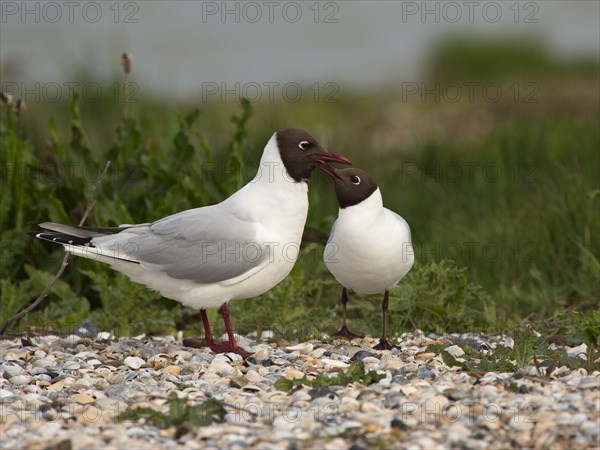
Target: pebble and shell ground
(67, 392)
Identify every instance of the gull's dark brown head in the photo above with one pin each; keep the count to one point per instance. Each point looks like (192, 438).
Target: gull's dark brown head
(301, 153)
(352, 186)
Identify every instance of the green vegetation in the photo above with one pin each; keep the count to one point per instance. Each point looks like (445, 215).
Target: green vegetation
(492, 60)
(504, 214)
(534, 346)
(356, 373)
(180, 412)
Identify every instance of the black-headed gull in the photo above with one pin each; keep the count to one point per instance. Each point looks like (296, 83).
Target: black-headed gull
(205, 257)
(369, 249)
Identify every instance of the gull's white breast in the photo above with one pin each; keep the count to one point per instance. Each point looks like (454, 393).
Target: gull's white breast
(370, 248)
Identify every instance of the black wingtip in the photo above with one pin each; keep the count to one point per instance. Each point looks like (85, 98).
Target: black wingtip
(60, 238)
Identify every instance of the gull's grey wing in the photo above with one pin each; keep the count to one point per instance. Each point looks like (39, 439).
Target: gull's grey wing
(204, 245)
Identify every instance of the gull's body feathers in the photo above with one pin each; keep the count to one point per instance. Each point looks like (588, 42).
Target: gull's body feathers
(369, 249)
(207, 256)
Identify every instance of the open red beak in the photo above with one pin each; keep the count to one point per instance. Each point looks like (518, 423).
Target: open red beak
(324, 158)
(325, 168)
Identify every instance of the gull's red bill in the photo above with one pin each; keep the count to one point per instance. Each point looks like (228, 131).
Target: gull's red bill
(324, 158)
(325, 168)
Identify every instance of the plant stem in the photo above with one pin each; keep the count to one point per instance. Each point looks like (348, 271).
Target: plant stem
(65, 261)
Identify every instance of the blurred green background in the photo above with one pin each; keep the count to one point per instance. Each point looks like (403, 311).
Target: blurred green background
(490, 154)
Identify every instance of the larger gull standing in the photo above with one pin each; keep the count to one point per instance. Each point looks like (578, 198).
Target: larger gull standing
(205, 257)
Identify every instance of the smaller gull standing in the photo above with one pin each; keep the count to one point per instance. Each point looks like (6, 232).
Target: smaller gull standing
(369, 249)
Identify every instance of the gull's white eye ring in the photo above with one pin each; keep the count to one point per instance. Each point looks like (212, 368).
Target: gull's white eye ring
(304, 145)
(355, 179)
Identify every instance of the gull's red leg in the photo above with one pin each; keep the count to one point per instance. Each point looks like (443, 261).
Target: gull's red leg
(232, 347)
(208, 341)
(208, 337)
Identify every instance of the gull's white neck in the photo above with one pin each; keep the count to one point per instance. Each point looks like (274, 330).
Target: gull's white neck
(272, 193)
(272, 172)
(369, 207)
(273, 198)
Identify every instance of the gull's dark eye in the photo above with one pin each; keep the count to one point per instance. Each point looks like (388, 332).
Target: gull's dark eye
(304, 145)
(355, 180)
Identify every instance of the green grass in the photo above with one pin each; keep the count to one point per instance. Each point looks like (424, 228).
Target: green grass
(514, 236)
(531, 235)
(532, 346)
(355, 373)
(180, 412)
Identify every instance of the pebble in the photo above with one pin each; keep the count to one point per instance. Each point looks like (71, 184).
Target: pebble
(489, 392)
(318, 352)
(261, 354)
(334, 364)
(455, 351)
(589, 383)
(220, 365)
(20, 380)
(362, 354)
(87, 329)
(393, 364)
(577, 352)
(171, 369)
(294, 374)
(302, 349)
(267, 335)
(71, 365)
(83, 399)
(49, 429)
(77, 385)
(56, 386)
(11, 370)
(424, 372)
(5, 393)
(134, 362)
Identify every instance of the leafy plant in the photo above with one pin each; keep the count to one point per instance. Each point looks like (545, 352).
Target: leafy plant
(157, 184)
(180, 411)
(435, 297)
(356, 373)
(532, 347)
